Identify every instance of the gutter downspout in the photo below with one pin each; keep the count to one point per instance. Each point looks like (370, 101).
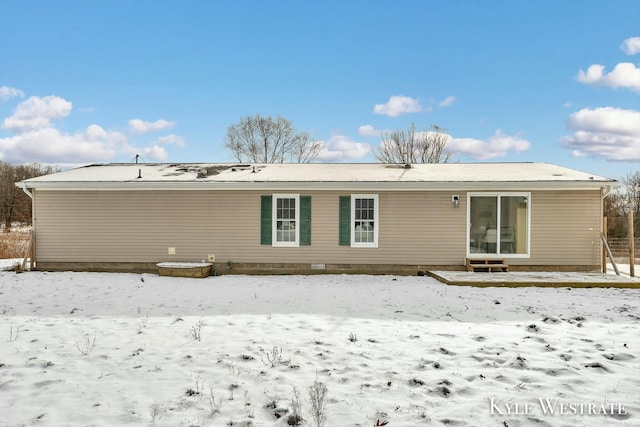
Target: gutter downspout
(605, 247)
(26, 191)
(32, 249)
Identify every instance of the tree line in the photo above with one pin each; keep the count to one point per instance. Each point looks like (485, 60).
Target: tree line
(15, 205)
(618, 204)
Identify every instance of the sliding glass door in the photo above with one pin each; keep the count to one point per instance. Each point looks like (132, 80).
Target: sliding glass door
(498, 224)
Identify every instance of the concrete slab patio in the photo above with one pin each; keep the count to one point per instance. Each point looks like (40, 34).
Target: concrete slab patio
(531, 278)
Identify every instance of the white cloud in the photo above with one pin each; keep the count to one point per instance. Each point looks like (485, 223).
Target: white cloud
(49, 145)
(398, 105)
(498, 145)
(155, 153)
(6, 93)
(607, 132)
(37, 113)
(625, 75)
(631, 46)
(368, 130)
(340, 147)
(37, 139)
(609, 119)
(141, 126)
(95, 132)
(448, 101)
(171, 139)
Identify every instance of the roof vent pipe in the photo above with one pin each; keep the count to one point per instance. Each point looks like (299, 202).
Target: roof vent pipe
(254, 170)
(139, 173)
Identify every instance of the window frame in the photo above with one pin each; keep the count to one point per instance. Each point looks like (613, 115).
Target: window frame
(274, 220)
(499, 195)
(376, 220)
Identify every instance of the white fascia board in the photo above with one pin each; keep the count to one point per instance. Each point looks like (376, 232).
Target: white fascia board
(327, 186)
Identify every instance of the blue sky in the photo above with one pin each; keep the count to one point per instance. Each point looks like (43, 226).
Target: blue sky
(100, 81)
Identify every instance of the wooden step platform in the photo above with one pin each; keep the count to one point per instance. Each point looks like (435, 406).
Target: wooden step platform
(486, 264)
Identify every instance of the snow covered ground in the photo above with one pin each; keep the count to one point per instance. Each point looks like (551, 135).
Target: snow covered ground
(98, 349)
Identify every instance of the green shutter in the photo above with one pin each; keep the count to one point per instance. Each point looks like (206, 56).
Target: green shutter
(345, 221)
(305, 220)
(265, 220)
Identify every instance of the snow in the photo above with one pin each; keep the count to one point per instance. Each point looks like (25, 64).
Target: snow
(184, 264)
(100, 349)
(624, 269)
(456, 174)
(541, 278)
(10, 263)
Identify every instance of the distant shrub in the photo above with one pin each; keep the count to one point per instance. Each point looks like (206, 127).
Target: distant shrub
(196, 330)
(318, 398)
(295, 418)
(87, 346)
(273, 358)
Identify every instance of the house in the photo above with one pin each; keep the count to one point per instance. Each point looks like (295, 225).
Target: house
(312, 218)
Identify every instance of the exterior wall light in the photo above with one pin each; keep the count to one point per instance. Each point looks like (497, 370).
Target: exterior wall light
(455, 199)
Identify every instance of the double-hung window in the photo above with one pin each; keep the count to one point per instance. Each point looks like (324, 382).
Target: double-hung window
(286, 214)
(359, 220)
(285, 220)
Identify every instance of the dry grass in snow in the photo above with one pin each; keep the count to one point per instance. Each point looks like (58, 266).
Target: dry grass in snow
(14, 243)
(90, 349)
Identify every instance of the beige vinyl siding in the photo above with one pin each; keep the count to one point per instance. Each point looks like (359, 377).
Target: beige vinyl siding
(422, 228)
(411, 230)
(139, 226)
(565, 228)
(415, 228)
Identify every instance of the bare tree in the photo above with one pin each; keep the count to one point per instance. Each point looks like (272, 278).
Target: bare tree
(411, 146)
(305, 150)
(14, 204)
(266, 140)
(618, 203)
(631, 191)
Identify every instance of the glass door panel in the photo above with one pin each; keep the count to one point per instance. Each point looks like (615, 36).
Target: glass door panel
(513, 225)
(483, 222)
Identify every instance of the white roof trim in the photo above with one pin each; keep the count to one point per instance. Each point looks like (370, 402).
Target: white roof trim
(295, 186)
(321, 176)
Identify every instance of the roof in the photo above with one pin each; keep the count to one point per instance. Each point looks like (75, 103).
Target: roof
(319, 176)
